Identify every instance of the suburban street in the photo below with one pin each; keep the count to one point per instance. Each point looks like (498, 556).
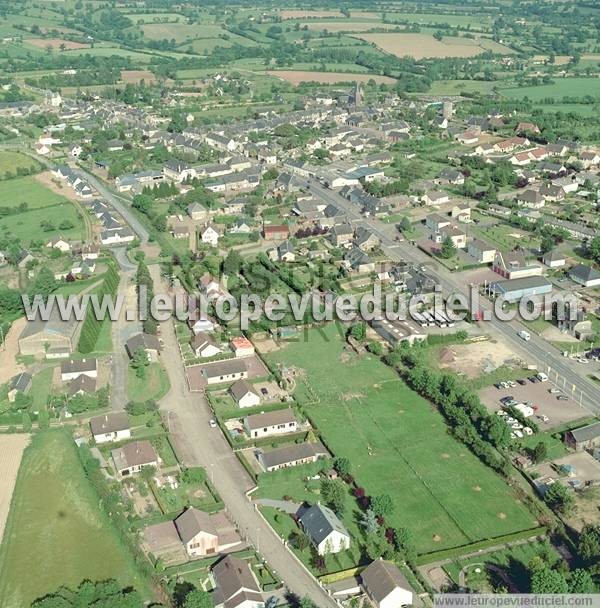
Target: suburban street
(538, 351)
(198, 444)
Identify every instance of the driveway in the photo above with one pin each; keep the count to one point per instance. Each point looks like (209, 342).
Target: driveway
(197, 444)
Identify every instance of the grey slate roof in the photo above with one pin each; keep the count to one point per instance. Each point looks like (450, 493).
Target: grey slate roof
(191, 522)
(109, 423)
(585, 433)
(319, 522)
(381, 578)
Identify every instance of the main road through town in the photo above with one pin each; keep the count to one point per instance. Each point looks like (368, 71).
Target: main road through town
(568, 374)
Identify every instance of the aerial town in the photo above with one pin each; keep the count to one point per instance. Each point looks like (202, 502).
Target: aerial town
(424, 153)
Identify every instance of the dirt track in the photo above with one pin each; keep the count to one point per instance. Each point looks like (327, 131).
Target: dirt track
(8, 366)
(11, 450)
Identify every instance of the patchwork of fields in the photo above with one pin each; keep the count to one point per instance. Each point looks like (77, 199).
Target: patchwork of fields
(400, 446)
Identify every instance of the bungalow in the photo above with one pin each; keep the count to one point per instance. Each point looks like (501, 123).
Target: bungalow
(385, 585)
(271, 423)
(585, 275)
(468, 137)
(451, 176)
(531, 199)
(242, 347)
(197, 533)
(69, 370)
(244, 394)
(292, 455)
(225, 371)
(235, 585)
(527, 127)
(203, 345)
(180, 232)
(324, 530)
(275, 232)
(59, 243)
(210, 235)
(132, 457)
(508, 145)
(21, 383)
(554, 259)
(481, 251)
(147, 342)
(110, 427)
(435, 197)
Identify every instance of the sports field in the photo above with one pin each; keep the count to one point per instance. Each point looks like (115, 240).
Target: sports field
(43, 205)
(399, 445)
(56, 534)
(561, 87)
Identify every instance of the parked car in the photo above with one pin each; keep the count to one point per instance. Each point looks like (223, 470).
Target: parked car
(562, 398)
(554, 391)
(542, 377)
(543, 418)
(212, 424)
(507, 399)
(533, 379)
(519, 434)
(522, 381)
(527, 431)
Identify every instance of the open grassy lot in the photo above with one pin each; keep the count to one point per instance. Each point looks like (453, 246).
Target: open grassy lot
(399, 445)
(55, 513)
(180, 31)
(11, 161)
(296, 77)
(456, 87)
(561, 87)
(154, 385)
(43, 205)
(420, 46)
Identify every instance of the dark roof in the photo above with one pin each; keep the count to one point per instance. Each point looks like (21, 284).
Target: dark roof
(232, 576)
(109, 423)
(319, 522)
(224, 368)
(191, 522)
(584, 273)
(78, 365)
(292, 453)
(381, 578)
(20, 382)
(585, 433)
(257, 421)
(82, 383)
(241, 388)
(136, 453)
(145, 341)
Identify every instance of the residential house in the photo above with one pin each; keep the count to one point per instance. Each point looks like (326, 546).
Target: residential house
(210, 235)
(324, 530)
(244, 394)
(585, 275)
(132, 457)
(147, 342)
(481, 251)
(82, 385)
(59, 243)
(225, 371)
(178, 171)
(435, 221)
(274, 232)
(584, 438)
(267, 424)
(196, 211)
(69, 370)
(197, 532)
(21, 383)
(385, 585)
(341, 234)
(357, 260)
(435, 197)
(110, 427)
(451, 176)
(292, 455)
(203, 345)
(531, 199)
(554, 259)
(456, 235)
(552, 193)
(284, 252)
(235, 585)
(365, 239)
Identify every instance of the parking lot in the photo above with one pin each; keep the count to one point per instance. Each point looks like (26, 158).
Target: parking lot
(538, 395)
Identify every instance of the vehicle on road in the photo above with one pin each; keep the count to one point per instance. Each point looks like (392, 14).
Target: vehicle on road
(562, 398)
(212, 423)
(543, 418)
(542, 377)
(524, 335)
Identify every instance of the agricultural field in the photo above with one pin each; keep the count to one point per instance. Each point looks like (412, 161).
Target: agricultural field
(347, 26)
(457, 87)
(180, 32)
(561, 87)
(56, 43)
(11, 161)
(421, 46)
(56, 511)
(400, 446)
(11, 451)
(298, 76)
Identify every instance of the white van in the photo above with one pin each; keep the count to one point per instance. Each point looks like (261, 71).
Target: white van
(542, 377)
(524, 335)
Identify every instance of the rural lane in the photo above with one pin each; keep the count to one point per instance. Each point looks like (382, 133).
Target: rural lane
(188, 415)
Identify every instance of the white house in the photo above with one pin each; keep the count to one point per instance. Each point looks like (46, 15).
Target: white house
(110, 427)
(585, 275)
(59, 243)
(244, 394)
(204, 346)
(385, 585)
(325, 531)
(235, 585)
(435, 197)
(69, 370)
(242, 347)
(268, 424)
(209, 235)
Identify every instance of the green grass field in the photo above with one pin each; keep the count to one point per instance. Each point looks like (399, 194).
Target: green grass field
(570, 87)
(42, 205)
(56, 534)
(456, 87)
(399, 444)
(155, 384)
(11, 161)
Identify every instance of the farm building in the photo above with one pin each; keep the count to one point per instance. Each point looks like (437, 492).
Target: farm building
(584, 438)
(514, 290)
(40, 338)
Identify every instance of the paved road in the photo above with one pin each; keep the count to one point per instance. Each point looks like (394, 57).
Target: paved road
(119, 203)
(188, 416)
(547, 357)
